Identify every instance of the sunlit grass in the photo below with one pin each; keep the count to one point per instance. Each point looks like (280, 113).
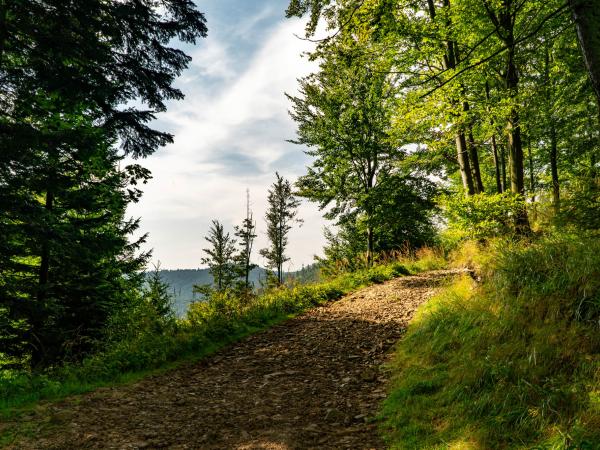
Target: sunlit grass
(512, 362)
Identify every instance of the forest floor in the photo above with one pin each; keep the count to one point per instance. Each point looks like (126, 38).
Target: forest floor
(315, 381)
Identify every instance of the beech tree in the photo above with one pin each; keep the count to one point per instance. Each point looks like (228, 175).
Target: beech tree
(474, 76)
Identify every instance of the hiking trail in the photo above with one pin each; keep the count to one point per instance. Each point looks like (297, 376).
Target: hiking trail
(314, 381)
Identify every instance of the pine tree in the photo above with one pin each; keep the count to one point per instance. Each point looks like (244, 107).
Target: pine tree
(280, 216)
(157, 294)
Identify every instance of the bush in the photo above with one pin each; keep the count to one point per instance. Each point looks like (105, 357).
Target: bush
(482, 216)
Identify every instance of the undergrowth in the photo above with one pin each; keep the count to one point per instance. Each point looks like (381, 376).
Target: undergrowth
(144, 345)
(510, 362)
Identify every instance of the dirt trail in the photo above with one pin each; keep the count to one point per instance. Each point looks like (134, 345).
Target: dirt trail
(311, 382)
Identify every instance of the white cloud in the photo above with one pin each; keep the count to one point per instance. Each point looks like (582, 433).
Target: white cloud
(212, 59)
(228, 136)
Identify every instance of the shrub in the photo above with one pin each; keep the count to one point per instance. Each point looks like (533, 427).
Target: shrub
(482, 216)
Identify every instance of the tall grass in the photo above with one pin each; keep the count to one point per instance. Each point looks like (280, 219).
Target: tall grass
(512, 362)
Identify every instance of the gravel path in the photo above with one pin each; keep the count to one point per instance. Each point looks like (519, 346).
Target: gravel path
(310, 382)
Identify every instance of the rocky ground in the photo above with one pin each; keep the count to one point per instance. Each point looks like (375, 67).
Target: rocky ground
(311, 382)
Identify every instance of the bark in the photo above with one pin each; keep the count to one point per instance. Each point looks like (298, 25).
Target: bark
(531, 180)
(506, 22)
(463, 163)
(554, 168)
(515, 144)
(369, 246)
(586, 15)
(553, 133)
(474, 158)
(503, 167)
(531, 172)
(45, 255)
(499, 187)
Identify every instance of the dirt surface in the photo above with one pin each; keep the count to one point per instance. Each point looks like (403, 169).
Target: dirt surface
(311, 382)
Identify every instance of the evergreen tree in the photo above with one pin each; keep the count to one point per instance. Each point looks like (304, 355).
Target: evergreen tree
(67, 69)
(220, 259)
(157, 294)
(280, 216)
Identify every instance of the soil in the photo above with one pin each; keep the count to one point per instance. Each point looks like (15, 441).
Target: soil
(315, 381)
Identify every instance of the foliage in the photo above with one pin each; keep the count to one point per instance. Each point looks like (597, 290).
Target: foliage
(483, 215)
(581, 208)
(246, 233)
(80, 83)
(343, 116)
(220, 259)
(510, 363)
(157, 294)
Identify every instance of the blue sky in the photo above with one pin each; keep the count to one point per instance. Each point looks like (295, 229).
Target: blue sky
(230, 134)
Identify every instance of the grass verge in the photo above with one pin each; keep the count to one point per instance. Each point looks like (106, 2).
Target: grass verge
(511, 362)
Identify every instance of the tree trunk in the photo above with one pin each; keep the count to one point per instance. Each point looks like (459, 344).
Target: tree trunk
(593, 173)
(463, 163)
(45, 255)
(497, 168)
(369, 246)
(503, 166)
(499, 187)
(474, 159)
(554, 168)
(531, 181)
(586, 15)
(461, 142)
(515, 145)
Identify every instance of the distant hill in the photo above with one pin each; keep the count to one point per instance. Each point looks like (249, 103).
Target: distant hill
(182, 281)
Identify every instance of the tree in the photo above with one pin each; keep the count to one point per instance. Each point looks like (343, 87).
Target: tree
(586, 15)
(157, 294)
(486, 78)
(343, 116)
(280, 216)
(220, 257)
(246, 235)
(68, 69)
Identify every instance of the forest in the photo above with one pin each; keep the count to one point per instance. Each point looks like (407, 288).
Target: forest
(456, 135)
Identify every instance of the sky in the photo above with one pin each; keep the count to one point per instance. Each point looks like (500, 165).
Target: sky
(230, 135)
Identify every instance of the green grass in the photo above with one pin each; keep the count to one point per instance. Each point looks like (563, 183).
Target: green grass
(512, 362)
(208, 328)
